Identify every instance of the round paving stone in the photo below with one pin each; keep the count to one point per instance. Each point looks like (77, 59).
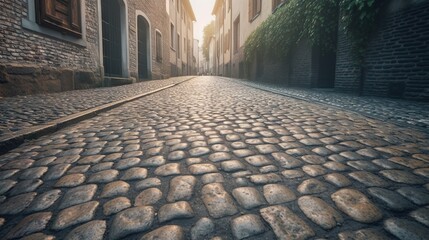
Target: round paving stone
(30, 224)
(312, 186)
(17, 203)
(246, 226)
(405, 229)
(93, 230)
(44, 201)
(78, 195)
(199, 169)
(175, 210)
(114, 189)
(168, 169)
(149, 196)
(181, 188)
(74, 215)
(155, 161)
(320, 212)
(116, 205)
(202, 229)
(168, 232)
(133, 220)
(103, 176)
(356, 205)
(248, 197)
(135, 173)
(277, 193)
(71, 180)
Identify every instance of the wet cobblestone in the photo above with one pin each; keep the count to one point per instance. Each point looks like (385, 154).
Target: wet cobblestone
(213, 159)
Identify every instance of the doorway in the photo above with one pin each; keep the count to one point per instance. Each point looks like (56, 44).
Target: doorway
(143, 40)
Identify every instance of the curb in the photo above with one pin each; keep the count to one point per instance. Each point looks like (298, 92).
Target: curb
(13, 140)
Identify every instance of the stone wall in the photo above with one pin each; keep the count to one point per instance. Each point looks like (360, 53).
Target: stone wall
(31, 62)
(397, 60)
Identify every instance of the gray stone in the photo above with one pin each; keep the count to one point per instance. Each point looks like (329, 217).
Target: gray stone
(212, 178)
(93, 230)
(258, 160)
(103, 176)
(312, 186)
(116, 205)
(132, 220)
(25, 186)
(18, 164)
(33, 173)
(202, 229)
(71, 180)
(147, 183)
(265, 178)
(181, 188)
(219, 156)
(175, 210)
(78, 195)
(266, 148)
(199, 151)
(6, 185)
(320, 212)
(135, 173)
(232, 166)
(56, 171)
(38, 236)
(176, 155)
(277, 194)
(421, 215)
(364, 234)
(149, 196)
(313, 159)
(405, 229)
(199, 169)
(402, 177)
(314, 170)
(390, 199)
(356, 205)
(126, 163)
(292, 174)
(74, 215)
(248, 197)
(168, 169)
(17, 203)
(44, 201)
(155, 161)
(246, 226)
(30, 224)
(168, 232)
(217, 201)
(114, 189)
(337, 179)
(285, 224)
(369, 179)
(418, 196)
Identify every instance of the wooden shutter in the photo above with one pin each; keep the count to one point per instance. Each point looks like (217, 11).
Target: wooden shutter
(61, 15)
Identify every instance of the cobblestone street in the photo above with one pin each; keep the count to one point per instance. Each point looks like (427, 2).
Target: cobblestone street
(212, 158)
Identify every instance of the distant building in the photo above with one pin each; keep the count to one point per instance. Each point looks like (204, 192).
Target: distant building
(181, 18)
(196, 57)
(212, 64)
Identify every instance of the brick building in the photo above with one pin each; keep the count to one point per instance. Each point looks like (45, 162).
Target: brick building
(54, 45)
(396, 63)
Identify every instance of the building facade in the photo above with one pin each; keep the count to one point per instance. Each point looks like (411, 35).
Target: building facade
(54, 45)
(395, 62)
(181, 42)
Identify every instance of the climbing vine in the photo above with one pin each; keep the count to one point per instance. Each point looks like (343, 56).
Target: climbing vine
(316, 21)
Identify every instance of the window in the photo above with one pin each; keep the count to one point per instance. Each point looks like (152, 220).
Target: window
(61, 15)
(158, 42)
(178, 46)
(254, 9)
(277, 3)
(178, 5)
(236, 34)
(172, 33)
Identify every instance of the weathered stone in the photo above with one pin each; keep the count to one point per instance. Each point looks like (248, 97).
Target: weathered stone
(147, 183)
(176, 155)
(79, 169)
(18, 164)
(268, 169)
(155, 161)
(30, 224)
(356, 205)
(74, 215)
(93, 230)
(149, 196)
(314, 170)
(337, 179)
(38, 236)
(402, 177)
(103, 176)
(6, 185)
(126, 163)
(369, 179)
(219, 156)
(313, 159)
(181, 188)
(421, 215)
(232, 166)
(266, 148)
(265, 178)
(175, 210)
(258, 160)
(102, 166)
(248, 197)
(312, 186)
(199, 151)
(135, 173)
(71, 180)
(217, 201)
(133, 220)
(78, 195)
(116, 205)
(168, 169)
(291, 174)
(114, 189)
(246, 226)
(320, 212)
(17, 203)
(25, 186)
(168, 232)
(202, 229)
(56, 171)
(198, 169)
(241, 153)
(33, 173)
(285, 224)
(406, 229)
(418, 196)
(44, 201)
(409, 162)
(364, 234)
(277, 194)
(212, 178)
(390, 199)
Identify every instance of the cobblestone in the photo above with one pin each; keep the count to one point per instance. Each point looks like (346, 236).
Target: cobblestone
(284, 152)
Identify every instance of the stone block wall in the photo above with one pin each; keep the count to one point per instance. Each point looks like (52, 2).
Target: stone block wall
(397, 60)
(31, 62)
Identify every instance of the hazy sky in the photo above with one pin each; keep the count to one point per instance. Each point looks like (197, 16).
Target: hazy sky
(203, 14)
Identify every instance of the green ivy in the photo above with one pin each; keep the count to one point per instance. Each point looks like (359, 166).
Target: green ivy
(316, 21)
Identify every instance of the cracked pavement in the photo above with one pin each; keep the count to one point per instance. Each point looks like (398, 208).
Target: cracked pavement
(214, 159)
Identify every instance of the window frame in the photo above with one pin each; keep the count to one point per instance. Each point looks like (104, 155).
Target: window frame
(255, 8)
(158, 45)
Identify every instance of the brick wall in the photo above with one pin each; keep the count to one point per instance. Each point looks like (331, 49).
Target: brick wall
(397, 61)
(31, 62)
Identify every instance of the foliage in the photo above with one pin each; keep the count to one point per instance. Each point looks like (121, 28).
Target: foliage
(317, 22)
(209, 31)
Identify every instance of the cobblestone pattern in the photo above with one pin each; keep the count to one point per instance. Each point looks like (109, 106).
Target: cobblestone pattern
(385, 109)
(25, 111)
(213, 159)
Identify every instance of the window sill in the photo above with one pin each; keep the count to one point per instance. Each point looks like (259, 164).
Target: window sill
(255, 17)
(172, 49)
(279, 6)
(34, 27)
